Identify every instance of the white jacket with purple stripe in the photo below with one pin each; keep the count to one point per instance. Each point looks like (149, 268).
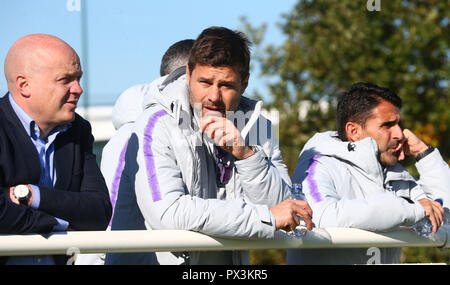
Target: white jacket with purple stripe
(176, 181)
(346, 186)
(126, 109)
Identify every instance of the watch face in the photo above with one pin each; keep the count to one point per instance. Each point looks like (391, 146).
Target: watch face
(21, 191)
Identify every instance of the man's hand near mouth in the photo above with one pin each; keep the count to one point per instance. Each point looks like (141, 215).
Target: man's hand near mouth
(412, 145)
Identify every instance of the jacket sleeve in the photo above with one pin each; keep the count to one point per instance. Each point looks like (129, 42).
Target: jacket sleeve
(435, 177)
(90, 207)
(379, 212)
(264, 176)
(163, 198)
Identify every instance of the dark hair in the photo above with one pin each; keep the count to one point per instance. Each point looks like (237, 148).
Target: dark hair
(176, 55)
(357, 103)
(219, 46)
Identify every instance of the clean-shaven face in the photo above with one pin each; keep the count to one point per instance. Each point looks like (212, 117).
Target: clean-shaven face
(56, 89)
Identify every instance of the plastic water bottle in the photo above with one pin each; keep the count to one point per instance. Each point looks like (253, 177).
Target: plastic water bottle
(297, 194)
(424, 228)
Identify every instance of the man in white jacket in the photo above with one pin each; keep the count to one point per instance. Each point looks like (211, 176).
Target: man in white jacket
(352, 178)
(195, 169)
(127, 108)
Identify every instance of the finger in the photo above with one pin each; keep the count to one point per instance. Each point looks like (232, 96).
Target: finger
(288, 228)
(406, 133)
(296, 221)
(401, 155)
(438, 215)
(221, 124)
(289, 224)
(433, 221)
(302, 205)
(438, 209)
(309, 224)
(437, 220)
(441, 208)
(222, 137)
(409, 135)
(229, 140)
(204, 123)
(405, 149)
(12, 197)
(30, 195)
(309, 210)
(215, 132)
(306, 217)
(11, 194)
(207, 120)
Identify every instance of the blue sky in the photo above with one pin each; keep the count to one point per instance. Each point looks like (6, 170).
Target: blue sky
(126, 39)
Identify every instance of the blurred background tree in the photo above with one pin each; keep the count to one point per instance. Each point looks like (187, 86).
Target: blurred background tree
(331, 45)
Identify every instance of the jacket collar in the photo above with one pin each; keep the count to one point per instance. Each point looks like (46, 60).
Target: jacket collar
(29, 124)
(362, 155)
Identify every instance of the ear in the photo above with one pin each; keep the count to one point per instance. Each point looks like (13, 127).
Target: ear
(188, 74)
(353, 131)
(23, 85)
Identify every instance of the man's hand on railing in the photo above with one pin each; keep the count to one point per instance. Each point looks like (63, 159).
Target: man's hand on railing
(287, 214)
(433, 211)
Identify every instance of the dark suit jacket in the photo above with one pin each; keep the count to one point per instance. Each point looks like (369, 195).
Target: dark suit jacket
(80, 195)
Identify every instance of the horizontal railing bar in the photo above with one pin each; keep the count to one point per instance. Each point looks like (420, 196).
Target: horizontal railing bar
(181, 240)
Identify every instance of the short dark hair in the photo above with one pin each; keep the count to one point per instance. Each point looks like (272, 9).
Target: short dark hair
(219, 46)
(177, 55)
(357, 103)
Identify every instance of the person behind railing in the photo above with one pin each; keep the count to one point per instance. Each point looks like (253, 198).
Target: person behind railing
(48, 171)
(129, 105)
(190, 166)
(352, 177)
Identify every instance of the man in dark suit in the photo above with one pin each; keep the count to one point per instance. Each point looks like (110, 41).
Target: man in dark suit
(48, 172)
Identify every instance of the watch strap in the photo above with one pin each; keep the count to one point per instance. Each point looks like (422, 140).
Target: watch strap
(23, 201)
(424, 153)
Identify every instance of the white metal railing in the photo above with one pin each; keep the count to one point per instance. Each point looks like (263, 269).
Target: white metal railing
(180, 240)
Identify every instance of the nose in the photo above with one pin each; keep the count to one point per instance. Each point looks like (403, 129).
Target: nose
(76, 88)
(214, 94)
(397, 133)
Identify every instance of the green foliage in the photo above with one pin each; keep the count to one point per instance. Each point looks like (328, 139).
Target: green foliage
(409, 255)
(331, 45)
(425, 255)
(268, 257)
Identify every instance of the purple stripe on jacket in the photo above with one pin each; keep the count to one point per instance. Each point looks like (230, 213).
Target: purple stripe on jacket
(116, 180)
(313, 189)
(148, 154)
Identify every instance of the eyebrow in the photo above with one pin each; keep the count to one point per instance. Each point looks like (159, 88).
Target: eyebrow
(390, 123)
(76, 74)
(230, 82)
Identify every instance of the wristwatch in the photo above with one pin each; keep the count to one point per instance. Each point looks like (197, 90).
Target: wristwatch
(21, 192)
(424, 153)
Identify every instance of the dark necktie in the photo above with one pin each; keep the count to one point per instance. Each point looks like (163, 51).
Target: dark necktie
(225, 168)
